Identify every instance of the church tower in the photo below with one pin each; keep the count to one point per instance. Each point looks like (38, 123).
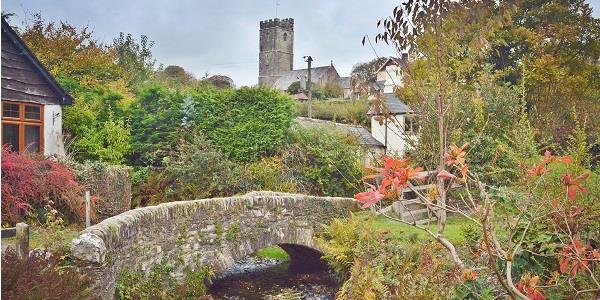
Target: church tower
(276, 55)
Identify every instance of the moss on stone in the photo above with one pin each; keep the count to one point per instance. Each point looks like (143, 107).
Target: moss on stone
(218, 229)
(234, 233)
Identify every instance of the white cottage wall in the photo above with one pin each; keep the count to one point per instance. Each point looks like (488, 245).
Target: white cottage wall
(396, 143)
(53, 138)
(392, 76)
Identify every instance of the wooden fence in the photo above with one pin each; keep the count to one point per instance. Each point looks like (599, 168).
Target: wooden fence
(21, 232)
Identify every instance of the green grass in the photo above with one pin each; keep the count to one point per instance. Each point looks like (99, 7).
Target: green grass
(273, 252)
(407, 233)
(38, 237)
(342, 111)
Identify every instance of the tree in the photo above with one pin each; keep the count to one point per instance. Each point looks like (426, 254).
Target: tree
(87, 69)
(96, 124)
(71, 52)
(446, 36)
(294, 88)
(553, 46)
(134, 58)
(451, 40)
(220, 81)
(176, 75)
(367, 71)
(156, 116)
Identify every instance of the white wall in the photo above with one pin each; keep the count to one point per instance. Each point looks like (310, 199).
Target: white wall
(396, 138)
(392, 75)
(53, 138)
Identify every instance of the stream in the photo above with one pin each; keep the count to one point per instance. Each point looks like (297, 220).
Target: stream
(261, 278)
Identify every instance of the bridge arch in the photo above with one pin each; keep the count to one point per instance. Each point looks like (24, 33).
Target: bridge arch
(209, 232)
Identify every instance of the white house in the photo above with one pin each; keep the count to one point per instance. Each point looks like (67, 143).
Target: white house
(32, 100)
(392, 122)
(389, 75)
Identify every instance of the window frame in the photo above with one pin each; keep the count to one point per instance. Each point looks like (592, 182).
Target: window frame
(21, 121)
(413, 128)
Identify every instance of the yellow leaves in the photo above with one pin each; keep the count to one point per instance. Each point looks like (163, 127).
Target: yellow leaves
(68, 51)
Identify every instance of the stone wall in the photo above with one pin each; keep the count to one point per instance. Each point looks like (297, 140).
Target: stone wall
(209, 232)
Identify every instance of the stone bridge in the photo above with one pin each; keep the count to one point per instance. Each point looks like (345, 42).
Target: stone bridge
(209, 232)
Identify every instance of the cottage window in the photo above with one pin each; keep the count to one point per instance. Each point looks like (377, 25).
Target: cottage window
(23, 127)
(410, 124)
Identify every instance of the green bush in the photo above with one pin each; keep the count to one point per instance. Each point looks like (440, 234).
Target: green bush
(96, 123)
(196, 170)
(373, 266)
(156, 116)
(244, 124)
(324, 162)
(294, 88)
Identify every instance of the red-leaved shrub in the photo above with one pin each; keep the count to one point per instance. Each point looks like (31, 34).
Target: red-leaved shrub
(33, 182)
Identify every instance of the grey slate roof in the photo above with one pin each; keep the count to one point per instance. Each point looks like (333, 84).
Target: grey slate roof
(393, 105)
(363, 135)
(284, 81)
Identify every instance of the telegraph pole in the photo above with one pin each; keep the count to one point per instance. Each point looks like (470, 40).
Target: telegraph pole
(308, 85)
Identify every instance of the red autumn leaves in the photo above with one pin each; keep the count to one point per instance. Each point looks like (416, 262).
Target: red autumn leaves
(395, 176)
(369, 198)
(455, 158)
(577, 257)
(397, 173)
(573, 184)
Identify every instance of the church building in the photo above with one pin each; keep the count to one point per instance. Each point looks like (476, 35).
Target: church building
(276, 58)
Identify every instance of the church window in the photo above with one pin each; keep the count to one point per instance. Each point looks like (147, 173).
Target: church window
(285, 36)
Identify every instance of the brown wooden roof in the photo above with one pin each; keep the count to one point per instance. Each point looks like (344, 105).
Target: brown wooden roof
(24, 78)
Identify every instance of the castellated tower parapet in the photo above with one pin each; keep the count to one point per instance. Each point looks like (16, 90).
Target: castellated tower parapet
(276, 54)
(287, 23)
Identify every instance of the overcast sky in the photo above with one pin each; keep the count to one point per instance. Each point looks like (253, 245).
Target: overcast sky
(221, 36)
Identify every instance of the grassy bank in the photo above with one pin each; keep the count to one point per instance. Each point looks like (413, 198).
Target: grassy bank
(273, 252)
(407, 233)
(50, 239)
(342, 111)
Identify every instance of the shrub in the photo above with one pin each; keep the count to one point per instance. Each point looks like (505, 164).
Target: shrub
(373, 266)
(156, 116)
(196, 170)
(96, 123)
(294, 88)
(109, 185)
(270, 174)
(42, 276)
(32, 184)
(244, 124)
(323, 162)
